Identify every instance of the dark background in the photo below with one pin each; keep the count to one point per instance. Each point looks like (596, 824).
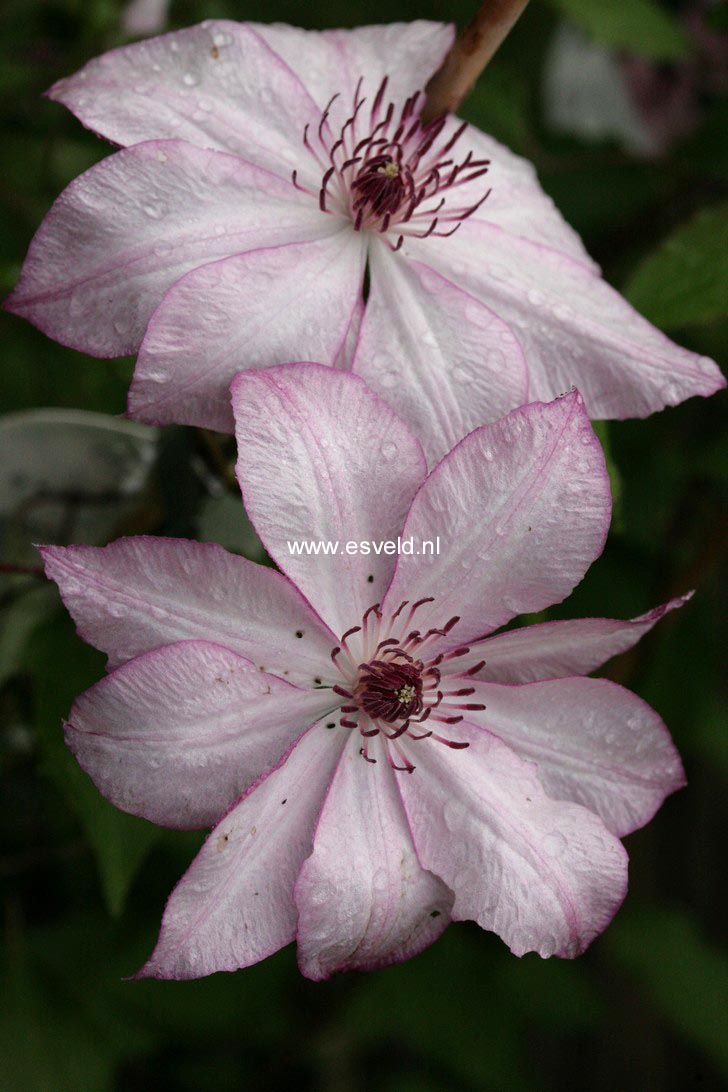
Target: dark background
(83, 886)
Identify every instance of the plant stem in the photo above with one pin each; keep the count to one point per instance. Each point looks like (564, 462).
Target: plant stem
(22, 570)
(469, 55)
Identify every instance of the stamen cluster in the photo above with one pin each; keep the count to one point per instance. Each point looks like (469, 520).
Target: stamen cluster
(387, 172)
(392, 687)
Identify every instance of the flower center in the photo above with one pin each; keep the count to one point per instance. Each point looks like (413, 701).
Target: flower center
(390, 689)
(392, 683)
(390, 173)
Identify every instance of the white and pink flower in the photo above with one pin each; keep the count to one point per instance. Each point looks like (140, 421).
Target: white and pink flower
(266, 172)
(378, 761)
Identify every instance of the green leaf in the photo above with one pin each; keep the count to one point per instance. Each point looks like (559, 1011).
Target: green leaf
(18, 621)
(686, 978)
(685, 280)
(63, 668)
(638, 25)
(43, 1046)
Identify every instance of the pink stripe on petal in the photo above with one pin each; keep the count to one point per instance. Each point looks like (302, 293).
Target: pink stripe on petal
(545, 875)
(234, 905)
(332, 61)
(521, 509)
(178, 733)
(128, 228)
(217, 85)
(322, 459)
(552, 650)
(594, 743)
(139, 593)
(363, 899)
(444, 359)
(575, 329)
(248, 311)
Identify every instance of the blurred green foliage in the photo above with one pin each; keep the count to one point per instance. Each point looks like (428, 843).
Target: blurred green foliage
(84, 886)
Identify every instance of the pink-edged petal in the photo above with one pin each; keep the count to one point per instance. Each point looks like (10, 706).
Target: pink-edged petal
(321, 459)
(347, 351)
(441, 357)
(520, 508)
(128, 228)
(545, 875)
(594, 742)
(178, 733)
(551, 650)
(363, 899)
(217, 85)
(139, 593)
(249, 311)
(331, 62)
(516, 203)
(575, 329)
(234, 905)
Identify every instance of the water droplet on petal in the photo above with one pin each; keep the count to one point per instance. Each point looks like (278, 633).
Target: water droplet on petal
(155, 211)
(389, 449)
(462, 373)
(190, 79)
(554, 844)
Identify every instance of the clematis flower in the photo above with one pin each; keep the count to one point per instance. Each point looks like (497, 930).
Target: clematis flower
(377, 760)
(267, 173)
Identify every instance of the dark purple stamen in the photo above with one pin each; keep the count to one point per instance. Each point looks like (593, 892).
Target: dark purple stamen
(397, 179)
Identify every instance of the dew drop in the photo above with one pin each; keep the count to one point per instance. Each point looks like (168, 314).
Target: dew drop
(154, 211)
(454, 815)
(554, 844)
(190, 79)
(389, 449)
(476, 314)
(380, 880)
(461, 373)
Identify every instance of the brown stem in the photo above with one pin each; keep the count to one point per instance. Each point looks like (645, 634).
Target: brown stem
(469, 55)
(24, 570)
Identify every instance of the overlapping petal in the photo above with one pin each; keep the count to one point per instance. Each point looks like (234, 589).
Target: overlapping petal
(139, 593)
(124, 231)
(217, 85)
(545, 875)
(521, 509)
(446, 361)
(234, 905)
(574, 328)
(248, 311)
(594, 742)
(322, 460)
(363, 899)
(331, 62)
(552, 650)
(178, 733)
